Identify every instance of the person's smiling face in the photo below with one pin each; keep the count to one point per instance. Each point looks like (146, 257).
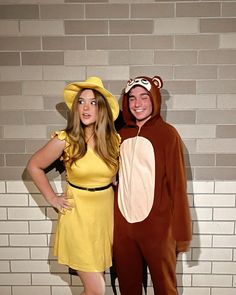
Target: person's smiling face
(140, 104)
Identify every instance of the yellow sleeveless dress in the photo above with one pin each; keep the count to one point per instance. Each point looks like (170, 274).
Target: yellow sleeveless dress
(84, 235)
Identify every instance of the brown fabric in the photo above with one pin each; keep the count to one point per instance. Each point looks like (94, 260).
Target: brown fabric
(167, 229)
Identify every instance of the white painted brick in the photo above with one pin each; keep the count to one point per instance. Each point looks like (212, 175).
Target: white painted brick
(14, 279)
(225, 291)
(41, 226)
(194, 101)
(21, 187)
(201, 241)
(217, 145)
(2, 187)
(64, 73)
(26, 214)
(225, 267)
(31, 290)
(183, 280)
(37, 200)
(196, 131)
(213, 227)
(28, 240)
(184, 256)
(55, 267)
(3, 213)
(234, 281)
(109, 72)
(41, 253)
(14, 200)
(178, 26)
(224, 241)
(58, 186)
(21, 73)
(42, 27)
(4, 290)
(212, 254)
(234, 255)
(9, 27)
(224, 214)
(189, 267)
(212, 280)
(4, 266)
(211, 200)
(226, 101)
(190, 200)
(13, 227)
(30, 266)
(14, 253)
(199, 187)
(228, 40)
(4, 240)
(51, 239)
(201, 213)
(52, 214)
(50, 279)
(76, 281)
(195, 291)
(225, 187)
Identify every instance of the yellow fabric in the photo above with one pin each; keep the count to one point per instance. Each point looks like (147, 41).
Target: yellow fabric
(84, 235)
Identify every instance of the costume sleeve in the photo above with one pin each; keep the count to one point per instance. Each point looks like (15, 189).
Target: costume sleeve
(62, 135)
(181, 223)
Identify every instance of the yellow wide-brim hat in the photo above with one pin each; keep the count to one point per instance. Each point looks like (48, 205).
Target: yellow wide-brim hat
(95, 83)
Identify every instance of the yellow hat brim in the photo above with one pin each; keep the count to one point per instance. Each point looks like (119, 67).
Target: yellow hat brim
(72, 89)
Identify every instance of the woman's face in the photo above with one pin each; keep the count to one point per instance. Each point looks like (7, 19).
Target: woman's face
(87, 107)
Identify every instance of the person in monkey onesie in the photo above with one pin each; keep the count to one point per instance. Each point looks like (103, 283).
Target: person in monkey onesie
(152, 217)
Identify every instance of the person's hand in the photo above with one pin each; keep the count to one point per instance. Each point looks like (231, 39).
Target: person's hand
(61, 203)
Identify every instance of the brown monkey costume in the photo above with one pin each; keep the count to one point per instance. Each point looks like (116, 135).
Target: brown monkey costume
(152, 218)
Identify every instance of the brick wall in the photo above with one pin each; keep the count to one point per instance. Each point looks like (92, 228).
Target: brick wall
(45, 44)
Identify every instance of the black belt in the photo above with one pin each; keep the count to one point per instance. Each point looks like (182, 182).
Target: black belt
(90, 189)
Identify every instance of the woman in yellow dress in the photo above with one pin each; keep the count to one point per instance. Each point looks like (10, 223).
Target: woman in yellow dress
(89, 147)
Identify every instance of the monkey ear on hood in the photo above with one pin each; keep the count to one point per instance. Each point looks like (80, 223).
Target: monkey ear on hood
(157, 81)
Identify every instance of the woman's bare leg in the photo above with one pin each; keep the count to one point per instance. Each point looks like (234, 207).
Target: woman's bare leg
(93, 282)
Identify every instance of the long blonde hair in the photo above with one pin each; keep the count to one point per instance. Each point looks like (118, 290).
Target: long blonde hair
(106, 137)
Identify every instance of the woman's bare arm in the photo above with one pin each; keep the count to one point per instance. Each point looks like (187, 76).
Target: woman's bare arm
(36, 165)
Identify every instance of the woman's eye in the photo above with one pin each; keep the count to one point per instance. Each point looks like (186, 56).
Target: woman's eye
(81, 101)
(93, 102)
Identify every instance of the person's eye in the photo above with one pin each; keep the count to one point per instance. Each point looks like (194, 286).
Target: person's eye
(81, 101)
(94, 102)
(131, 98)
(144, 97)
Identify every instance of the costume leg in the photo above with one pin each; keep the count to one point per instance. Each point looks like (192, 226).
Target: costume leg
(161, 260)
(129, 266)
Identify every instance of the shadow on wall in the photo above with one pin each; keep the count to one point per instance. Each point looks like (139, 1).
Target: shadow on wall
(186, 258)
(54, 172)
